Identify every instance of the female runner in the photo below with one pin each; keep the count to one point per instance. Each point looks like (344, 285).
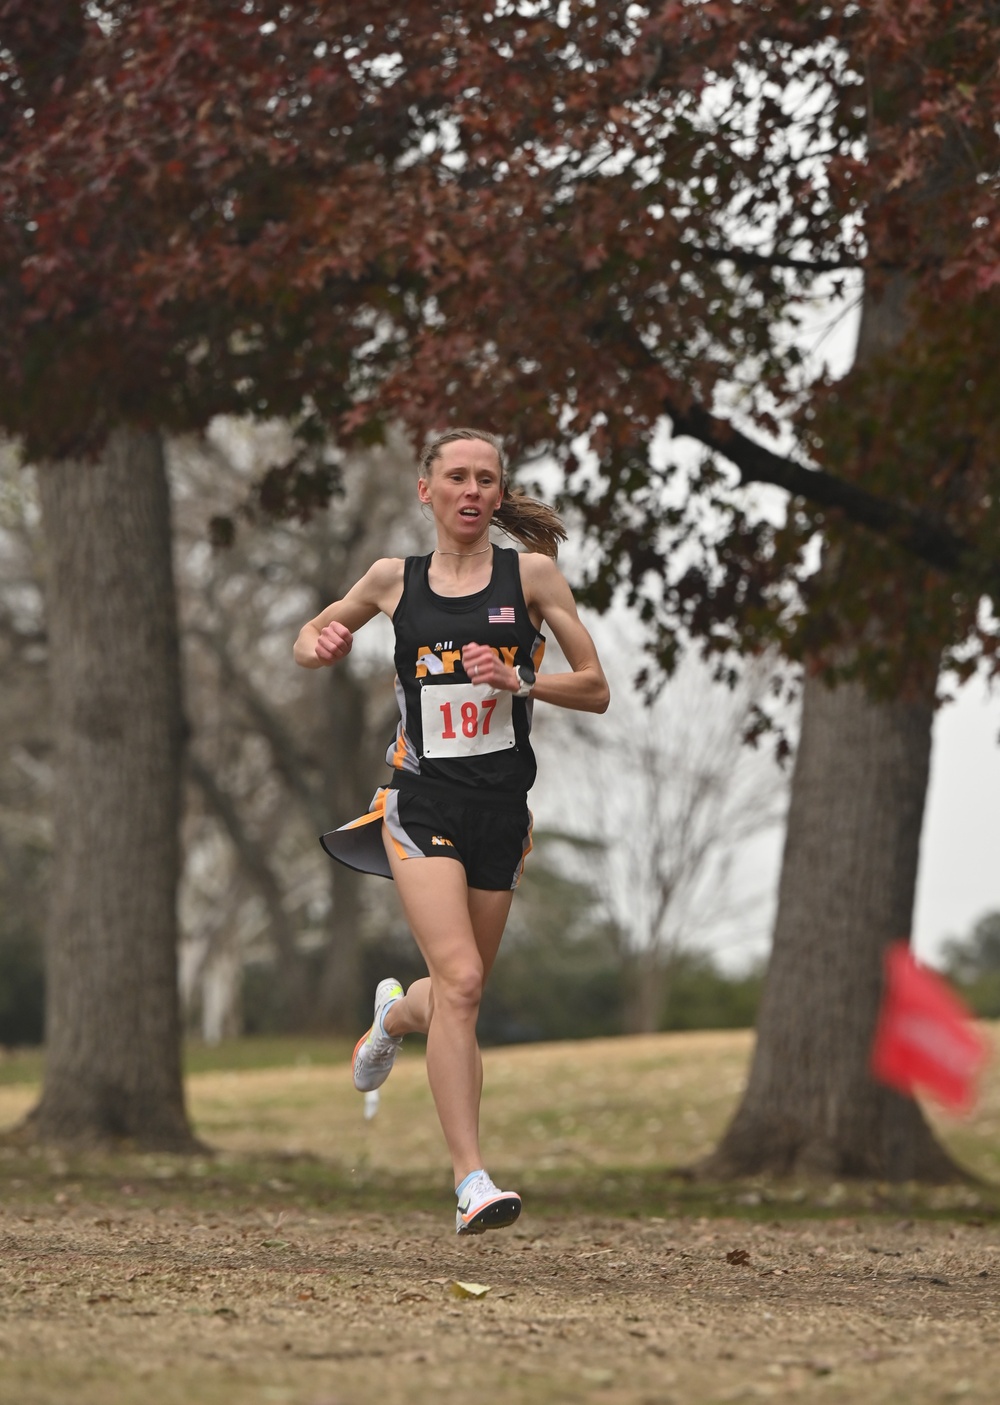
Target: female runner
(452, 826)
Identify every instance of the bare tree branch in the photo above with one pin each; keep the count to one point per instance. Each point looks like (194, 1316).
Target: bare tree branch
(916, 533)
(749, 258)
(283, 744)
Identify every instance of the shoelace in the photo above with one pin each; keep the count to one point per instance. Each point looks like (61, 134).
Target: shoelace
(381, 1049)
(480, 1189)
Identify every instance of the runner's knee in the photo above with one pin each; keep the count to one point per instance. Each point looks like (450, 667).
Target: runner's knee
(460, 988)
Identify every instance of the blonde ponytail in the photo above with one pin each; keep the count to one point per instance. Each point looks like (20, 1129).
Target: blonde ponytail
(534, 524)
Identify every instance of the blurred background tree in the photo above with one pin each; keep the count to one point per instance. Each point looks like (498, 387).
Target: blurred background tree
(669, 800)
(277, 756)
(973, 963)
(25, 760)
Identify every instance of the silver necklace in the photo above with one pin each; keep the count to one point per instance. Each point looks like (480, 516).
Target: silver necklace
(482, 550)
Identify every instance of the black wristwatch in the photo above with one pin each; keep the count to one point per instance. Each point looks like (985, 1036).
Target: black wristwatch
(525, 681)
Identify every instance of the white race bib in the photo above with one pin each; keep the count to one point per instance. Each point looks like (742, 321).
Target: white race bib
(466, 719)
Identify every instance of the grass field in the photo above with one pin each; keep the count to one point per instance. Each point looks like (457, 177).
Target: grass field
(310, 1259)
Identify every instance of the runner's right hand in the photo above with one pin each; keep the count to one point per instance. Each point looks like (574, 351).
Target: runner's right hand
(333, 642)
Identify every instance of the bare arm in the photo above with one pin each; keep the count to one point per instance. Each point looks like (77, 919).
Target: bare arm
(329, 637)
(585, 688)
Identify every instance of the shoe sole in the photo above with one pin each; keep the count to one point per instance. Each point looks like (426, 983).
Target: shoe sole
(354, 1060)
(497, 1214)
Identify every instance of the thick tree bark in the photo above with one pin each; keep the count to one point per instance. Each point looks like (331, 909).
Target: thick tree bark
(847, 889)
(113, 1066)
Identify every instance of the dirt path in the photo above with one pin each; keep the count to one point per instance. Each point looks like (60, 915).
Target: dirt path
(164, 1306)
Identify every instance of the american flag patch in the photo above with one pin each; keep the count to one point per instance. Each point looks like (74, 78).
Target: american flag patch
(501, 614)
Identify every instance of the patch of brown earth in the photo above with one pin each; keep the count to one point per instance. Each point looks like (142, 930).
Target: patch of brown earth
(159, 1307)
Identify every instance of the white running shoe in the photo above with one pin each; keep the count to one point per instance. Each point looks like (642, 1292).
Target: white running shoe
(375, 1052)
(481, 1206)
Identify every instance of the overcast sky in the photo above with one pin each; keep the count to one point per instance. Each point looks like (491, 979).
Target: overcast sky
(960, 855)
(959, 875)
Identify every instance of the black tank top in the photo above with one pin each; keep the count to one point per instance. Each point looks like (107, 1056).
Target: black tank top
(450, 729)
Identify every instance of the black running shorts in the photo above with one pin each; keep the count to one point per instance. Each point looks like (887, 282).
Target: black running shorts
(488, 833)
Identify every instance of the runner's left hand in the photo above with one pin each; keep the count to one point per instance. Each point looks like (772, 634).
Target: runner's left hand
(482, 666)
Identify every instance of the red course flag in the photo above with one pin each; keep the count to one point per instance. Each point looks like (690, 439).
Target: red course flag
(925, 1037)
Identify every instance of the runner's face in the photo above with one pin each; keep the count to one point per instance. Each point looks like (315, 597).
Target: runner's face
(463, 487)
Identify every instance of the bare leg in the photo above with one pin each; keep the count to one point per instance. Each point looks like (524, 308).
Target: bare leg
(412, 1013)
(488, 911)
(458, 931)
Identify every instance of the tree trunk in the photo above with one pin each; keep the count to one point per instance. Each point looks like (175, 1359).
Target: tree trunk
(260, 875)
(349, 783)
(645, 984)
(113, 1065)
(848, 883)
(339, 997)
(847, 889)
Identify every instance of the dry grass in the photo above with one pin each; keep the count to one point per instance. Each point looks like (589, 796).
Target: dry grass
(631, 1105)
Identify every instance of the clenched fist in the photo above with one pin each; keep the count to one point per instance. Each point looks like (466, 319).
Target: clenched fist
(333, 642)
